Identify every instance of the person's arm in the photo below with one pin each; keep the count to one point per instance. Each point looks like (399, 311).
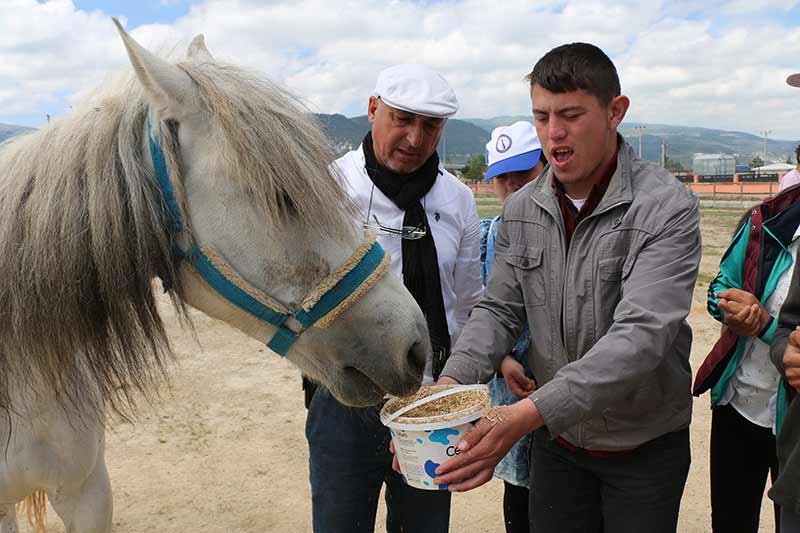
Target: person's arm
(785, 348)
(486, 223)
(467, 283)
(494, 325)
(730, 270)
(788, 320)
(656, 298)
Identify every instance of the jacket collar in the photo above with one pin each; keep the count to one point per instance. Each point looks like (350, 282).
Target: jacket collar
(619, 191)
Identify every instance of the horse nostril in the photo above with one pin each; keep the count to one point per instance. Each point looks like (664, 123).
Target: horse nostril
(417, 357)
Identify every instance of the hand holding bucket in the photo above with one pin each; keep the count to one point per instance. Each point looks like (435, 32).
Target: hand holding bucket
(422, 443)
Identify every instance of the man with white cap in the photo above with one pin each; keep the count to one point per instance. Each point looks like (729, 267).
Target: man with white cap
(785, 355)
(427, 219)
(514, 158)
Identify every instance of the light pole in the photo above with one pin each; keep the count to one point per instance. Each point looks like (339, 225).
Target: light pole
(444, 144)
(640, 128)
(765, 134)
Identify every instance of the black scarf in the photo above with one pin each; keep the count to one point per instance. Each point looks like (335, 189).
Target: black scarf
(420, 262)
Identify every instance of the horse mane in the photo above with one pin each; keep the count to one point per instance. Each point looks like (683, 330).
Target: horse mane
(83, 230)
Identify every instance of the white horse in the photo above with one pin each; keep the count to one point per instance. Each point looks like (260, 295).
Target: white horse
(215, 181)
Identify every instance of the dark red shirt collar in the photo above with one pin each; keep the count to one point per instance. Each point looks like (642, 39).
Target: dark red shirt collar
(570, 214)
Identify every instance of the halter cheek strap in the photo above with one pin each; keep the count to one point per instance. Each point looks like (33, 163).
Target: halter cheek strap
(334, 295)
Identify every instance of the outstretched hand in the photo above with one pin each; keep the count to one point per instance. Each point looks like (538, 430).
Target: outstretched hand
(791, 360)
(517, 382)
(486, 443)
(744, 314)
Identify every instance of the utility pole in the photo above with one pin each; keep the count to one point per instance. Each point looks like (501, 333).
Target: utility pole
(663, 152)
(640, 128)
(444, 144)
(765, 134)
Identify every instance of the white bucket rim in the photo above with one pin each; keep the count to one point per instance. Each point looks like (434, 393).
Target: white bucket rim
(436, 422)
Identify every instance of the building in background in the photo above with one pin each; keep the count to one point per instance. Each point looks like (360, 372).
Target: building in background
(714, 166)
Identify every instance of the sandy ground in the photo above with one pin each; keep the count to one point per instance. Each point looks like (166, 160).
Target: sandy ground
(224, 449)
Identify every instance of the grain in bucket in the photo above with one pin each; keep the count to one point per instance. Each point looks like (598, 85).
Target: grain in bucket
(426, 427)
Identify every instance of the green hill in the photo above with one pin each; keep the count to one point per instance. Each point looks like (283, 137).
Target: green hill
(683, 141)
(460, 138)
(9, 130)
(464, 137)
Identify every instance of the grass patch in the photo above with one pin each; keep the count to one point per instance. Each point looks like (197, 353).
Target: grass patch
(720, 212)
(489, 210)
(704, 278)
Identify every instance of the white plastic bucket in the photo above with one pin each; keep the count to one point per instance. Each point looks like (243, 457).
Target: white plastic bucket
(422, 444)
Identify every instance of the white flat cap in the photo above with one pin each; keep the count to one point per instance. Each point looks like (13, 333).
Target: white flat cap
(417, 89)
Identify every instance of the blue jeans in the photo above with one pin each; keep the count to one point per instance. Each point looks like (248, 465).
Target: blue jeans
(790, 521)
(349, 461)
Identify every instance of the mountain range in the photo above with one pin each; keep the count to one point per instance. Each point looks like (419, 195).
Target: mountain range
(465, 137)
(9, 130)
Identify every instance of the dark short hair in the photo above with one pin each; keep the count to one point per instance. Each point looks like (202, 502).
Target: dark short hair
(797, 154)
(575, 66)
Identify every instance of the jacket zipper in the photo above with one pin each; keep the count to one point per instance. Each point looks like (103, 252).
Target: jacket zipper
(566, 249)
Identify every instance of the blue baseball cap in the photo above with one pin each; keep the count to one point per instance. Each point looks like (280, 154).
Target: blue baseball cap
(512, 148)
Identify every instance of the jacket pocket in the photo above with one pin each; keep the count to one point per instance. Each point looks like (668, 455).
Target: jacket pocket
(527, 262)
(611, 271)
(611, 268)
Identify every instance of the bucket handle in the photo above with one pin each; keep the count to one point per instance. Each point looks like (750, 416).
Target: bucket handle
(426, 399)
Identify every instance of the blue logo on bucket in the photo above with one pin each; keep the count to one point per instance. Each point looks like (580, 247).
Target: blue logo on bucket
(442, 436)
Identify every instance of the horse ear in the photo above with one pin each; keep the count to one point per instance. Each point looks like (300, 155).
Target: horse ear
(197, 49)
(168, 88)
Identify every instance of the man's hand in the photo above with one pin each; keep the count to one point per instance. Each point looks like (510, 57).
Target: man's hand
(517, 382)
(791, 360)
(486, 443)
(744, 314)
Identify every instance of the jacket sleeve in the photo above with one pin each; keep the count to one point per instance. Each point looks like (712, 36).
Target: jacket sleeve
(493, 327)
(656, 298)
(788, 319)
(467, 282)
(730, 270)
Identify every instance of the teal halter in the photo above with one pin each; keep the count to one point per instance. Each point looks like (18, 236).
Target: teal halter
(347, 286)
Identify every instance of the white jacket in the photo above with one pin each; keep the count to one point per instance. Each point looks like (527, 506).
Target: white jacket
(453, 219)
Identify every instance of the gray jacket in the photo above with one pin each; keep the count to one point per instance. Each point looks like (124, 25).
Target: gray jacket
(609, 340)
(786, 489)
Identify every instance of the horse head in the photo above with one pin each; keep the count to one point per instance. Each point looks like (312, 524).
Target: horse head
(246, 174)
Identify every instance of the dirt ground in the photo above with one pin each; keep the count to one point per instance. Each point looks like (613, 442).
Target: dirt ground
(224, 449)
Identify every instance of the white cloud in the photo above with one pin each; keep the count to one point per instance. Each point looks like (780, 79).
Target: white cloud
(679, 64)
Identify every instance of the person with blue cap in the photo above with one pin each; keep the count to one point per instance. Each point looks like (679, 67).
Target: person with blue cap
(428, 221)
(514, 158)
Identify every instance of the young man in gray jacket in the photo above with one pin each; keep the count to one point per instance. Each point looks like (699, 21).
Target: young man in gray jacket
(600, 256)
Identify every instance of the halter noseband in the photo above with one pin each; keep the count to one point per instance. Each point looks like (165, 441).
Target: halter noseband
(326, 302)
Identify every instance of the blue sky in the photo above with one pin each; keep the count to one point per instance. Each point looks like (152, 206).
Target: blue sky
(721, 65)
(139, 12)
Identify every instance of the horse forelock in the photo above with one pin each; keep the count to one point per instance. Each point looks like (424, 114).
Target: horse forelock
(81, 238)
(271, 146)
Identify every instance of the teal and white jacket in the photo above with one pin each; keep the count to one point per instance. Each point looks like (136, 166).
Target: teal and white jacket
(774, 258)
